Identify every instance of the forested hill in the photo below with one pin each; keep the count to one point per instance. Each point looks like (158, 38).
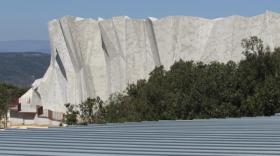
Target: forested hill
(22, 68)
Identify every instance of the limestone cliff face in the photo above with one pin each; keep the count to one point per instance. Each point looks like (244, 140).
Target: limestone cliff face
(98, 57)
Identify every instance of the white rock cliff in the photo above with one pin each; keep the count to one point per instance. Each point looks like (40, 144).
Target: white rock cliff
(99, 57)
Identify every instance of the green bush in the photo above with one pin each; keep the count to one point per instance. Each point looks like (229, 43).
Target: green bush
(71, 115)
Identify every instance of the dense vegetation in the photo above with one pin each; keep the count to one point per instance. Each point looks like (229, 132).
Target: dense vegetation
(197, 90)
(21, 69)
(8, 93)
(87, 113)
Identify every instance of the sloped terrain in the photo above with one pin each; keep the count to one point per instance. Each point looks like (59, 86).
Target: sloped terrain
(21, 69)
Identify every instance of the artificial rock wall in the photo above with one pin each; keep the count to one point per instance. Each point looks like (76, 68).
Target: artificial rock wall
(99, 57)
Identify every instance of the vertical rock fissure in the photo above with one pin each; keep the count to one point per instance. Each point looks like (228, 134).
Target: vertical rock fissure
(121, 58)
(153, 42)
(107, 59)
(60, 65)
(120, 50)
(73, 61)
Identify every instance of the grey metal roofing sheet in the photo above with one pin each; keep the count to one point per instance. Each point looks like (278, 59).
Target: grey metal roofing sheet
(227, 137)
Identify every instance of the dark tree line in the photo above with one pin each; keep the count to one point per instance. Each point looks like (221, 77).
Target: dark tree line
(191, 90)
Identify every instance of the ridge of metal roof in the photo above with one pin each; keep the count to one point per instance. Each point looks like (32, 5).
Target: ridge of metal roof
(227, 137)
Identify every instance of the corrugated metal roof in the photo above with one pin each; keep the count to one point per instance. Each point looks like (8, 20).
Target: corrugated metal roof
(227, 137)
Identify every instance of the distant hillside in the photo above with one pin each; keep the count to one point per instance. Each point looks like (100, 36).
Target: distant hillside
(22, 69)
(25, 46)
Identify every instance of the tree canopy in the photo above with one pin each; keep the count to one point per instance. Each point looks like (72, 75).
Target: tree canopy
(8, 93)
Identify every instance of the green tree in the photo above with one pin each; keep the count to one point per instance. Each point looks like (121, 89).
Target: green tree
(89, 108)
(8, 94)
(71, 114)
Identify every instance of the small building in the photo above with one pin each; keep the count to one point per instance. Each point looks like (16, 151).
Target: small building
(25, 111)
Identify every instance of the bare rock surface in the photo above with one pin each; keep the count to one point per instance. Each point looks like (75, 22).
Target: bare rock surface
(99, 57)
